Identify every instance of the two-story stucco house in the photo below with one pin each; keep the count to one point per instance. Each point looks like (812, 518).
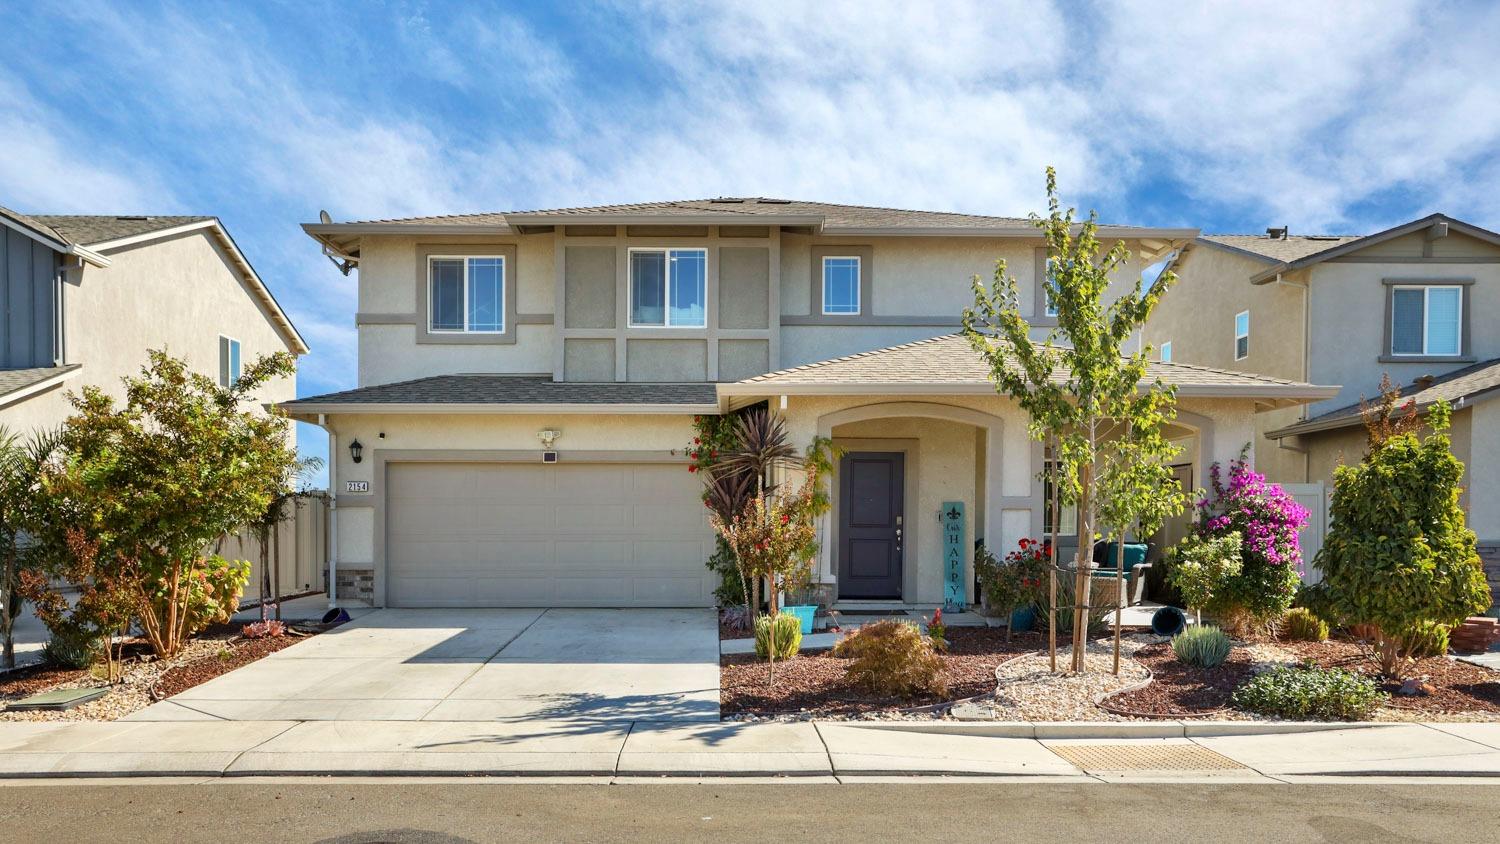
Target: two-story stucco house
(1413, 302)
(83, 299)
(528, 383)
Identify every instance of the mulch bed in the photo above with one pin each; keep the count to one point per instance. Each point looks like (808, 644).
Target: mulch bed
(237, 653)
(1181, 690)
(1461, 687)
(813, 684)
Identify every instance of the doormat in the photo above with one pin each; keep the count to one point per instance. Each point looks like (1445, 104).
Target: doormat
(1144, 757)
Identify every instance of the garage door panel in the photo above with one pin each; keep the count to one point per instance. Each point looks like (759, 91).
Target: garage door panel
(505, 534)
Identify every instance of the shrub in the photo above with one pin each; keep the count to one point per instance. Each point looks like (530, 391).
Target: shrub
(1203, 647)
(1200, 568)
(1300, 625)
(213, 594)
(1321, 693)
(1267, 520)
(73, 646)
(268, 629)
(1102, 593)
(788, 635)
(1427, 639)
(1398, 556)
(1015, 582)
(937, 632)
(892, 658)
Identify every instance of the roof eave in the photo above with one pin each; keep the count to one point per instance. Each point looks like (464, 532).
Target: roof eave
(304, 410)
(22, 393)
(1355, 419)
(1335, 251)
(639, 218)
(332, 230)
(1294, 392)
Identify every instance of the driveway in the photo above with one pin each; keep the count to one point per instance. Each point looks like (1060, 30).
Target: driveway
(477, 665)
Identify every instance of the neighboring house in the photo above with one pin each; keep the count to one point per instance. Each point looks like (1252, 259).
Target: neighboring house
(1414, 302)
(86, 297)
(528, 384)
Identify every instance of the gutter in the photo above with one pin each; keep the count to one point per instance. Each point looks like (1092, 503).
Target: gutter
(1354, 419)
(775, 388)
(306, 411)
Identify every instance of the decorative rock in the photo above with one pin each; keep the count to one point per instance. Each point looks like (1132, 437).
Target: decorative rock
(968, 710)
(1416, 688)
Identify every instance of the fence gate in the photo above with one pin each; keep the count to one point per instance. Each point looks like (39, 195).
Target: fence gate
(1314, 497)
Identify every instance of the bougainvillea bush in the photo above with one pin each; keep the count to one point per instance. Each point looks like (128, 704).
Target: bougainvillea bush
(1267, 519)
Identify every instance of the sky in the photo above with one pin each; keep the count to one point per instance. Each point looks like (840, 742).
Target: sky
(1326, 117)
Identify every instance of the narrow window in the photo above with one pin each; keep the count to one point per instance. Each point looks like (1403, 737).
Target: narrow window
(668, 288)
(1241, 335)
(1067, 525)
(1166, 352)
(1050, 287)
(466, 294)
(229, 361)
(1427, 320)
(841, 284)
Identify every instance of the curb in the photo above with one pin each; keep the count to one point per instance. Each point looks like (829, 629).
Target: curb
(1114, 729)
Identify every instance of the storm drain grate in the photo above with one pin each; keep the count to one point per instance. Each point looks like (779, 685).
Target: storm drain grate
(1137, 757)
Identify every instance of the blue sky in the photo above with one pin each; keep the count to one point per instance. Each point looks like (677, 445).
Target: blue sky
(1325, 117)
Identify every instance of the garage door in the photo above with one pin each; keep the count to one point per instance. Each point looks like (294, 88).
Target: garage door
(534, 535)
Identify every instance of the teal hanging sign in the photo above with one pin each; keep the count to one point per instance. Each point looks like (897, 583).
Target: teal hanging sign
(954, 548)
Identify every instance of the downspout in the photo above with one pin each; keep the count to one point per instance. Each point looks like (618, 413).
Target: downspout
(1306, 367)
(333, 512)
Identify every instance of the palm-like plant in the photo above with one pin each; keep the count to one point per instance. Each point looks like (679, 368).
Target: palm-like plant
(747, 472)
(20, 465)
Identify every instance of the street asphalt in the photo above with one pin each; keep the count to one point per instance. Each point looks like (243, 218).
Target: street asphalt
(462, 811)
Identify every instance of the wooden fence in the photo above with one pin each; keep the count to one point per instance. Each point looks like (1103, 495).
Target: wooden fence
(298, 552)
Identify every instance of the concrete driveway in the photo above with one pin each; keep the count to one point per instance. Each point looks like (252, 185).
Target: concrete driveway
(477, 665)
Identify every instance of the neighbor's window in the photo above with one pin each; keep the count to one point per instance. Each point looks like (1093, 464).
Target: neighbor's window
(1241, 335)
(229, 361)
(466, 294)
(1068, 524)
(1166, 352)
(1426, 320)
(667, 287)
(1050, 286)
(841, 284)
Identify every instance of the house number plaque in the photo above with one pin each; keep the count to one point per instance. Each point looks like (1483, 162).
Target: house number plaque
(356, 486)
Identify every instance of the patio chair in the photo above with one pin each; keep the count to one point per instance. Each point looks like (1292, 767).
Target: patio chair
(1136, 555)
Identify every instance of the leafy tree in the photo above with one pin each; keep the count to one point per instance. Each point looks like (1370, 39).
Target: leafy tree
(20, 469)
(1399, 555)
(140, 490)
(1083, 392)
(1201, 568)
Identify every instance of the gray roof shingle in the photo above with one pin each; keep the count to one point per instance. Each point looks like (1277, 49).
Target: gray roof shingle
(32, 223)
(1292, 248)
(951, 360)
(1453, 387)
(12, 380)
(513, 389)
(87, 229)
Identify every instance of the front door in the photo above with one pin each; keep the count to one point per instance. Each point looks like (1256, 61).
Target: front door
(871, 499)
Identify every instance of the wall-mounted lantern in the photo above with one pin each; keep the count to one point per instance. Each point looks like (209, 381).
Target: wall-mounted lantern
(356, 451)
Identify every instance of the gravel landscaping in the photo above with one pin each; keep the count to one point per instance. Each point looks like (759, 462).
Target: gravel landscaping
(216, 651)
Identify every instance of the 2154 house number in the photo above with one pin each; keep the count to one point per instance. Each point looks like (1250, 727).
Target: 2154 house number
(356, 486)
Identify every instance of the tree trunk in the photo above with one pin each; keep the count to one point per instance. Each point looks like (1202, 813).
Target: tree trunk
(1052, 572)
(276, 558)
(1084, 561)
(1119, 595)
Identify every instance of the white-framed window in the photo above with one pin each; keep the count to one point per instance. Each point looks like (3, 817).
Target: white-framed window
(668, 288)
(841, 284)
(1067, 524)
(1242, 335)
(466, 294)
(1427, 319)
(229, 361)
(1049, 286)
(1166, 352)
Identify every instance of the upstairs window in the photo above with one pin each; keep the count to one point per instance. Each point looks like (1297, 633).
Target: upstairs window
(1427, 320)
(1049, 308)
(466, 294)
(229, 361)
(841, 284)
(1242, 335)
(1166, 352)
(668, 288)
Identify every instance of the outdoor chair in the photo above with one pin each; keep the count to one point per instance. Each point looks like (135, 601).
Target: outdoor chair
(1135, 568)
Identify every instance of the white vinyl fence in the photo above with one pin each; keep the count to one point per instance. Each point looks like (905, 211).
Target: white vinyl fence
(1314, 497)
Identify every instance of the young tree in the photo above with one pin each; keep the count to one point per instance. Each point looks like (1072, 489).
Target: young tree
(143, 489)
(1078, 385)
(1399, 555)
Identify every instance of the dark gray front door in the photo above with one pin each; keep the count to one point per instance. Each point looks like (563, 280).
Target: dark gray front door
(871, 485)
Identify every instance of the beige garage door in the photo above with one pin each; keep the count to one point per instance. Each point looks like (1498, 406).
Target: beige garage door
(534, 535)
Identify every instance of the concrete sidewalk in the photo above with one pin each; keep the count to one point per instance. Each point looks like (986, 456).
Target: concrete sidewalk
(1239, 751)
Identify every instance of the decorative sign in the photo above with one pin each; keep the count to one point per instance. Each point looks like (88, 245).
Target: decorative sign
(954, 549)
(356, 486)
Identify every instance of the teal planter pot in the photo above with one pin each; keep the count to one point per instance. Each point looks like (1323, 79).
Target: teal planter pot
(1022, 620)
(804, 615)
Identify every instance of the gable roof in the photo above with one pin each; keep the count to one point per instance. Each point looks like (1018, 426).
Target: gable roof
(48, 236)
(1276, 250)
(948, 364)
(1347, 245)
(16, 384)
(1474, 382)
(101, 233)
(823, 217)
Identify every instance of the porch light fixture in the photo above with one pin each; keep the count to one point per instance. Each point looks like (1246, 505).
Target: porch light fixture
(547, 436)
(356, 451)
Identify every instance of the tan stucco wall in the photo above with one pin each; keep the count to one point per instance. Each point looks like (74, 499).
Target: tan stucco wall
(177, 294)
(1482, 475)
(1349, 310)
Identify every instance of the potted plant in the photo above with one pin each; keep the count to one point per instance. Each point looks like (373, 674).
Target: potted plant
(1010, 587)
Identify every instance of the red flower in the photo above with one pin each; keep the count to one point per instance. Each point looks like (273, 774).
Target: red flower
(785, 518)
(1025, 543)
(692, 468)
(697, 441)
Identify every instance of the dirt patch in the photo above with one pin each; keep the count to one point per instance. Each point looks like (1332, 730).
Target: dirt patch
(1181, 690)
(813, 684)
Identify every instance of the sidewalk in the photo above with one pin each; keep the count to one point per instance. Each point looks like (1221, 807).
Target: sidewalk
(1234, 751)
